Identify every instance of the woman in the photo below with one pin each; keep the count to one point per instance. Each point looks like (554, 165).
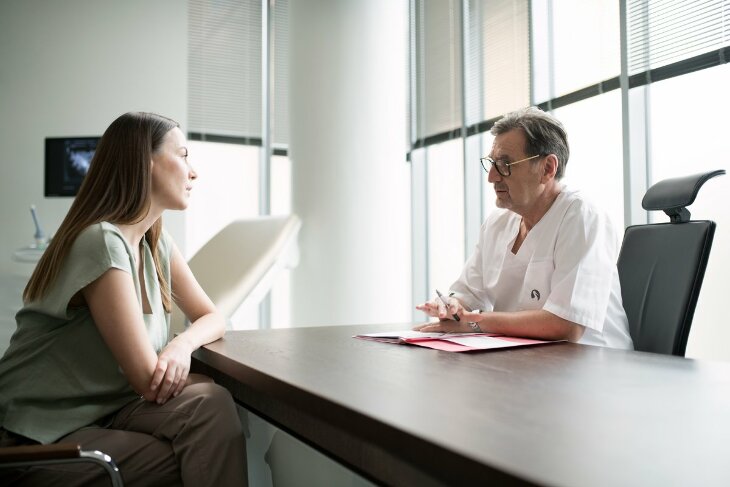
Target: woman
(91, 361)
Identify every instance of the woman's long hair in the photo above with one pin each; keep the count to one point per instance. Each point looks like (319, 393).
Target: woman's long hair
(116, 189)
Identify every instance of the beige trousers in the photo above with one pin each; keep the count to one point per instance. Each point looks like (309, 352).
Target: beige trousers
(194, 439)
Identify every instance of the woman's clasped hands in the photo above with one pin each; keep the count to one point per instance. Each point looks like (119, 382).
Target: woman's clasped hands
(171, 372)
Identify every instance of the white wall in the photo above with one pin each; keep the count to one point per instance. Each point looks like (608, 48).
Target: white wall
(69, 68)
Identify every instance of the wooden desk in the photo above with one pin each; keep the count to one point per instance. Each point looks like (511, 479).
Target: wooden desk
(558, 414)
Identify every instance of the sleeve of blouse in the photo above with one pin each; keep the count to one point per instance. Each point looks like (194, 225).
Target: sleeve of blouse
(97, 249)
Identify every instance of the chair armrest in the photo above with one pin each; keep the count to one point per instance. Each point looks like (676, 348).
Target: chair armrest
(58, 453)
(27, 453)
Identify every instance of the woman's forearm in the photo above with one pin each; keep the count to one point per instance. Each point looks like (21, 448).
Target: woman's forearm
(208, 328)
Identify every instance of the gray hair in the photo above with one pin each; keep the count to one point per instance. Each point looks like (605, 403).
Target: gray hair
(544, 133)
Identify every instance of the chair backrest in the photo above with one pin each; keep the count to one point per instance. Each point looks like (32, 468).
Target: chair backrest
(238, 263)
(661, 267)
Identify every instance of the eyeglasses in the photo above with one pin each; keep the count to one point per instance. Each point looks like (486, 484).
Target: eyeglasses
(503, 168)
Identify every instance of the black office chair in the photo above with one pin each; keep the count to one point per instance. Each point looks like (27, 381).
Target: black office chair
(55, 454)
(661, 267)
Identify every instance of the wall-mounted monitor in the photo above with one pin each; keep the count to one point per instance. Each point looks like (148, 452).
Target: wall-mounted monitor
(67, 161)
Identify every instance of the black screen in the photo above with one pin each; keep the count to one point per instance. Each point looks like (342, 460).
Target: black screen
(67, 161)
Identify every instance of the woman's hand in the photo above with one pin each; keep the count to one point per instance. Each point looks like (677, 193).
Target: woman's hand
(172, 369)
(171, 372)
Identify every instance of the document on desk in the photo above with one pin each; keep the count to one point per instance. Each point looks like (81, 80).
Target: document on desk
(451, 342)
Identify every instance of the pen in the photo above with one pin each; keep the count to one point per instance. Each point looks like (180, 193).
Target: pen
(443, 300)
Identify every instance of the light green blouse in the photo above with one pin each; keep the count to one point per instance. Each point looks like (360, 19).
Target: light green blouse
(58, 375)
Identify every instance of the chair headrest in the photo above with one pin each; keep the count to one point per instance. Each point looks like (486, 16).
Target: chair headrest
(675, 194)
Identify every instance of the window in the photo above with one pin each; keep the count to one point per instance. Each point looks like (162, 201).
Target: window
(595, 166)
(498, 67)
(438, 67)
(445, 213)
(488, 195)
(280, 185)
(586, 44)
(226, 189)
(688, 136)
(281, 205)
(226, 108)
(575, 44)
(224, 66)
(661, 32)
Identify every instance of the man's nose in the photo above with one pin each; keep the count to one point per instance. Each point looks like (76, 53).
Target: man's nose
(493, 175)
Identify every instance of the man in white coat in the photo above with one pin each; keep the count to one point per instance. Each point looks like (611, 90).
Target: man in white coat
(545, 263)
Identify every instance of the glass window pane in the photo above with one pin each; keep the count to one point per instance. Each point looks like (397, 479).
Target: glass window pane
(498, 58)
(473, 180)
(488, 195)
(445, 213)
(595, 166)
(420, 286)
(585, 44)
(280, 185)
(280, 72)
(281, 205)
(224, 66)
(689, 135)
(691, 108)
(661, 32)
(226, 189)
(438, 67)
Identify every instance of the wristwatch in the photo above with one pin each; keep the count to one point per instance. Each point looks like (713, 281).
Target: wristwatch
(474, 325)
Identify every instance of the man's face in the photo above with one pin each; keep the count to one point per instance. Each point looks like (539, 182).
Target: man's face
(520, 190)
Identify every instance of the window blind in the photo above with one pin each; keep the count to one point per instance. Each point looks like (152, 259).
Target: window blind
(280, 73)
(224, 56)
(662, 32)
(437, 67)
(500, 35)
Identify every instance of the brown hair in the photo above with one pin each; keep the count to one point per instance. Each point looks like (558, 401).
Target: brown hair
(116, 189)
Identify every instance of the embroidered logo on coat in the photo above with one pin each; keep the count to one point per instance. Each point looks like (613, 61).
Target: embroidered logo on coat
(535, 294)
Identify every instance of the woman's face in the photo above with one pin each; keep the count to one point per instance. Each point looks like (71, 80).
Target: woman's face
(172, 176)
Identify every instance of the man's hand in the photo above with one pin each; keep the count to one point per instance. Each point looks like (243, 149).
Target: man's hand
(445, 326)
(438, 309)
(451, 326)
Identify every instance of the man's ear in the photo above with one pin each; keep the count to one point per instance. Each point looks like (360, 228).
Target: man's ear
(550, 168)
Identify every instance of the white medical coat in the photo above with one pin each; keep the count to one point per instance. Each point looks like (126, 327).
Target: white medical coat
(566, 265)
